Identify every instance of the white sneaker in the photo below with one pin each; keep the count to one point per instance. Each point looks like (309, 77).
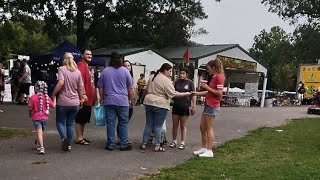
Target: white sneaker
(200, 151)
(41, 151)
(37, 145)
(208, 153)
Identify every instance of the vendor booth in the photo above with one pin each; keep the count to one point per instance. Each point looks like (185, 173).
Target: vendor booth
(239, 67)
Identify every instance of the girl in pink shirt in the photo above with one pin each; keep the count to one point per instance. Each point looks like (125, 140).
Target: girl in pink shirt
(39, 105)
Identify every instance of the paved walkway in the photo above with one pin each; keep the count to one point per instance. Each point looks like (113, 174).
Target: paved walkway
(19, 160)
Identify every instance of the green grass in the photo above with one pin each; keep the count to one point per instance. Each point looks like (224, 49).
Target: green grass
(6, 133)
(263, 154)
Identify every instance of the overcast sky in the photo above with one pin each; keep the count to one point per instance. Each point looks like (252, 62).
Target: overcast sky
(237, 22)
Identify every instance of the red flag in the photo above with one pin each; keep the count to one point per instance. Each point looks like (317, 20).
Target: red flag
(186, 55)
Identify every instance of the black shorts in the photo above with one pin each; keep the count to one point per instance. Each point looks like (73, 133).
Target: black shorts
(84, 115)
(24, 88)
(181, 111)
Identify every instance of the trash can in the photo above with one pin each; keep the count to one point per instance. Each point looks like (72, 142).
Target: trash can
(268, 102)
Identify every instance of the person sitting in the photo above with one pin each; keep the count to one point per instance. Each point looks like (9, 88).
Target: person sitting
(316, 97)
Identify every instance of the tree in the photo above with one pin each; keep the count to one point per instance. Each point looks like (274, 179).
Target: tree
(274, 51)
(306, 44)
(136, 22)
(295, 9)
(61, 16)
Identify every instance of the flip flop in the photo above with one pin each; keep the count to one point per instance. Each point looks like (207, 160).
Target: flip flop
(82, 142)
(173, 145)
(182, 146)
(160, 149)
(143, 147)
(87, 140)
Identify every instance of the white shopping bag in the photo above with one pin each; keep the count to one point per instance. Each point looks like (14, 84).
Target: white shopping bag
(31, 91)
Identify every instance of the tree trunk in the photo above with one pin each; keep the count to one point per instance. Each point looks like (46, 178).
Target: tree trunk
(80, 24)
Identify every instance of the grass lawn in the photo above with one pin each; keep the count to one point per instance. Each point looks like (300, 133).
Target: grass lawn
(265, 153)
(6, 133)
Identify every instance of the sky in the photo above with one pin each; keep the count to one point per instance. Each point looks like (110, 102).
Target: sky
(237, 22)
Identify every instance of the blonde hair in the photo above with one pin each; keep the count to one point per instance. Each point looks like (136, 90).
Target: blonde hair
(69, 62)
(217, 65)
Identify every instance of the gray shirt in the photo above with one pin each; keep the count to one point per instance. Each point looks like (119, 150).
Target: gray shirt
(27, 71)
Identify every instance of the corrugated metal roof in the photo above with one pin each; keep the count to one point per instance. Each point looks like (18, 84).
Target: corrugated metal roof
(196, 52)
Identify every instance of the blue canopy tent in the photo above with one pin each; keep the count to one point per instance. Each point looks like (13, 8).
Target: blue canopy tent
(44, 66)
(56, 55)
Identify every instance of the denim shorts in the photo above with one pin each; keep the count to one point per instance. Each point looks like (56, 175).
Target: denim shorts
(40, 124)
(211, 111)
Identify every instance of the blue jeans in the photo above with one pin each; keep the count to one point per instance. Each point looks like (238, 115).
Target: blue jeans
(155, 117)
(112, 113)
(66, 115)
(130, 115)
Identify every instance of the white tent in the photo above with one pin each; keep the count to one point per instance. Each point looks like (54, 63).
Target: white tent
(234, 90)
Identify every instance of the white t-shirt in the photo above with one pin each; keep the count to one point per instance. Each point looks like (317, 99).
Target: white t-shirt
(27, 70)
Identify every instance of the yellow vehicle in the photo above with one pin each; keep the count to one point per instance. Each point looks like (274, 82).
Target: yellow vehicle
(309, 74)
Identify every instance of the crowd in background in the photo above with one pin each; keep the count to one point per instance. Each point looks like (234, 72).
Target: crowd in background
(78, 88)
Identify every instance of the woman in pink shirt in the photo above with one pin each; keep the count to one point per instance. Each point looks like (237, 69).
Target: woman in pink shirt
(70, 89)
(213, 92)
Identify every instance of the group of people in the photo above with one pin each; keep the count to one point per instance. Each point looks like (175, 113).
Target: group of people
(76, 93)
(73, 97)
(20, 82)
(160, 89)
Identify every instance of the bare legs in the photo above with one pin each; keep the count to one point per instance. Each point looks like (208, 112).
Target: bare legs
(207, 134)
(182, 121)
(40, 137)
(79, 131)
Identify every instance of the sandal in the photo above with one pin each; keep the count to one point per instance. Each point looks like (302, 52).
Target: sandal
(173, 145)
(87, 140)
(182, 146)
(82, 142)
(159, 149)
(143, 147)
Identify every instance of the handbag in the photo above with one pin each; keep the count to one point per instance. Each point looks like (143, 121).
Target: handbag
(100, 115)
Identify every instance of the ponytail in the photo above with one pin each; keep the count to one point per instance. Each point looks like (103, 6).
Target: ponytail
(165, 66)
(155, 74)
(43, 90)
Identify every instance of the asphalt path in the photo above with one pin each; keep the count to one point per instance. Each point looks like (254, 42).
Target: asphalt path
(19, 160)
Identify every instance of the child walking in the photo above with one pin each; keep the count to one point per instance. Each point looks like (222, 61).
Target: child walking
(39, 105)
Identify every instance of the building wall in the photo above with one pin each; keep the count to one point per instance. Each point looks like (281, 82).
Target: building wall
(152, 60)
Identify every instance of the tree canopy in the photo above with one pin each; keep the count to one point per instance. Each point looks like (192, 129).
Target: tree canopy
(104, 23)
(295, 9)
(274, 51)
